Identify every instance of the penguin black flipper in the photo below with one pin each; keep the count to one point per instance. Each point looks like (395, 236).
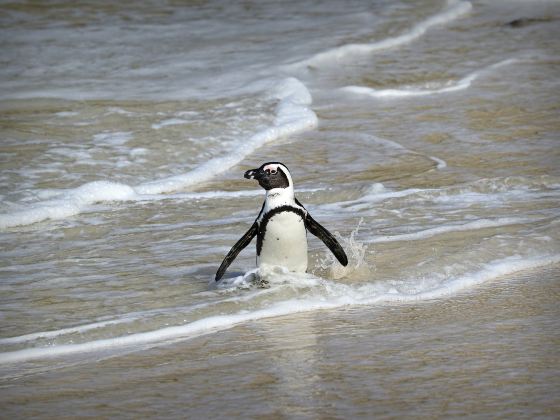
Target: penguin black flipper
(330, 241)
(323, 234)
(236, 249)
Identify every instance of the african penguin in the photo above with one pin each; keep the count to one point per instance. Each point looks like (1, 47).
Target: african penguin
(281, 226)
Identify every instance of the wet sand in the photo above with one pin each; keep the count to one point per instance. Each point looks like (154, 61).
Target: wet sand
(489, 352)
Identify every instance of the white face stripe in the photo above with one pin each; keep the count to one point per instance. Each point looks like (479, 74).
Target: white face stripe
(271, 167)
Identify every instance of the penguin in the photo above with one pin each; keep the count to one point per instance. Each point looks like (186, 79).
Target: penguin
(281, 226)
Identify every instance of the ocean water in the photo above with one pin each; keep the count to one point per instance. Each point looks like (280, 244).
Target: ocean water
(425, 134)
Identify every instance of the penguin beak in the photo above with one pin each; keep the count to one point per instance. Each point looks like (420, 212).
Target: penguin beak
(253, 174)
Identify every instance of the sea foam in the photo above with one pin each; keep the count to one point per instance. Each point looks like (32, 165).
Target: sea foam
(292, 116)
(327, 295)
(456, 227)
(447, 87)
(69, 203)
(453, 10)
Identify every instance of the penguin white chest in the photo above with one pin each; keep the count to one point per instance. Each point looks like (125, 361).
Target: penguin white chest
(284, 242)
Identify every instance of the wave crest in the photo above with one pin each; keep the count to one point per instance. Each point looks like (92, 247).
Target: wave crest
(293, 115)
(454, 9)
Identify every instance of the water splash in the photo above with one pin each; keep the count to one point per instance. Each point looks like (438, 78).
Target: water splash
(266, 277)
(356, 252)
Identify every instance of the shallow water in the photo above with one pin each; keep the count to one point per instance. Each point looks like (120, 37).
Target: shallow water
(425, 136)
(486, 352)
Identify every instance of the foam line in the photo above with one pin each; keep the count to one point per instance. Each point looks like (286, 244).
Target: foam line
(195, 328)
(440, 163)
(453, 10)
(449, 87)
(484, 190)
(63, 204)
(128, 318)
(334, 295)
(211, 195)
(490, 271)
(70, 203)
(293, 116)
(377, 193)
(73, 202)
(168, 122)
(63, 331)
(206, 195)
(428, 233)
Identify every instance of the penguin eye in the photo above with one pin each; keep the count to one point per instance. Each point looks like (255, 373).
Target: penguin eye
(273, 171)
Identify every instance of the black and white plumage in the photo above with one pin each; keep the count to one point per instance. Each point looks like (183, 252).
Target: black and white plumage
(281, 226)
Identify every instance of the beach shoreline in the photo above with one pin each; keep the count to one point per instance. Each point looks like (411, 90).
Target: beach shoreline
(488, 351)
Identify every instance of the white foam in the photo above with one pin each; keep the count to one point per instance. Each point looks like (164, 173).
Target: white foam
(207, 195)
(112, 138)
(117, 110)
(61, 204)
(168, 122)
(63, 331)
(375, 194)
(211, 195)
(440, 163)
(490, 271)
(428, 233)
(70, 203)
(66, 114)
(78, 155)
(488, 191)
(332, 295)
(447, 87)
(138, 151)
(293, 116)
(454, 9)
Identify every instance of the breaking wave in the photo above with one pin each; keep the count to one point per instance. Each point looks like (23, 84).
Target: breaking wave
(452, 11)
(293, 115)
(313, 294)
(431, 89)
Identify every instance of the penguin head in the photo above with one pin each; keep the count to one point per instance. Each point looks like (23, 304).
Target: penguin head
(271, 175)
